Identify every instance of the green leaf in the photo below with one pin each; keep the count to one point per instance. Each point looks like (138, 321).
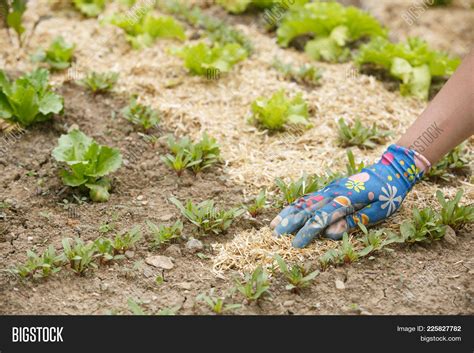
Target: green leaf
(6, 111)
(51, 103)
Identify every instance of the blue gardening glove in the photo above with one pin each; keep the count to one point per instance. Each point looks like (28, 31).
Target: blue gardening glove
(368, 197)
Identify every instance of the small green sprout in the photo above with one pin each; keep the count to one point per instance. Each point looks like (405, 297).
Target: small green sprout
(164, 234)
(141, 115)
(206, 217)
(79, 255)
(293, 190)
(454, 162)
(375, 240)
(254, 285)
(196, 156)
(105, 250)
(347, 251)
(100, 82)
(359, 135)
(259, 204)
(425, 226)
(39, 266)
(58, 56)
(126, 240)
(297, 276)
(351, 166)
(217, 304)
(452, 214)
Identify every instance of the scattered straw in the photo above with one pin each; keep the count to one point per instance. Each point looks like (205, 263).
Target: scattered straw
(255, 247)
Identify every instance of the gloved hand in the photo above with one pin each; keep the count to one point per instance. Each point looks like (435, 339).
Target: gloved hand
(368, 197)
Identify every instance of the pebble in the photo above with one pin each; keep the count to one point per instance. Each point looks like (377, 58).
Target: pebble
(166, 217)
(129, 254)
(193, 245)
(159, 261)
(140, 197)
(450, 236)
(184, 285)
(288, 303)
(173, 251)
(340, 285)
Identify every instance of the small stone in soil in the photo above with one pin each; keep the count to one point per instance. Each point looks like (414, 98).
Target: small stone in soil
(173, 250)
(289, 303)
(450, 236)
(129, 254)
(340, 285)
(193, 245)
(160, 262)
(166, 217)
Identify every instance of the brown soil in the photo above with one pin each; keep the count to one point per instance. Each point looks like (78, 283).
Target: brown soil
(428, 279)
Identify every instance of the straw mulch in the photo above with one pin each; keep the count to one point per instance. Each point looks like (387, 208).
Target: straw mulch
(254, 158)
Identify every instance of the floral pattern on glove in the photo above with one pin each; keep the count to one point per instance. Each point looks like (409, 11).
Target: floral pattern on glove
(370, 196)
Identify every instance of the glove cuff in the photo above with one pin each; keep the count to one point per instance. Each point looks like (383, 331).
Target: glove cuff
(408, 164)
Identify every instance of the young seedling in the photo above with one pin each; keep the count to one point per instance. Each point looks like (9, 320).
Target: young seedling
(359, 135)
(330, 257)
(347, 251)
(88, 164)
(29, 99)
(105, 250)
(376, 240)
(351, 166)
(452, 214)
(293, 190)
(58, 56)
(306, 74)
(425, 226)
(141, 115)
(217, 304)
(39, 266)
(258, 205)
(254, 285)
(452, 163)
(297, 276)
(163, 234)
(206, 217)
(279, 112)
(79, 255)
(126, 240)
(100, 82)
(196, 156)
(179, 162)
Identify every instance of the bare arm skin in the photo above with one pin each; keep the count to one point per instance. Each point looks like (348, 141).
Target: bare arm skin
(449, 118)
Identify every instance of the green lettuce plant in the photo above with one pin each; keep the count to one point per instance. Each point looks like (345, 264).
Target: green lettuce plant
(200, 58)
(412, 62)
(88, 163)
(333, 27)
(279, 111)
(29, 99)
(143, 30)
